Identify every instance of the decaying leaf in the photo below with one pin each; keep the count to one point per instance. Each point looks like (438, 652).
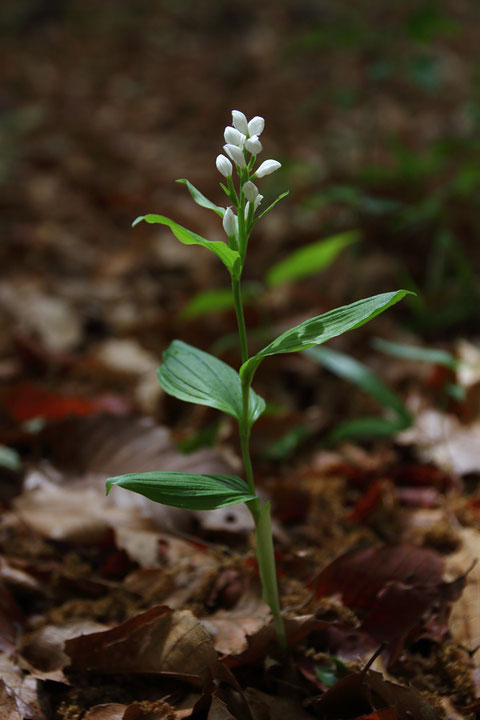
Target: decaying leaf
(158, 641)
(443, 440)
(356, 695)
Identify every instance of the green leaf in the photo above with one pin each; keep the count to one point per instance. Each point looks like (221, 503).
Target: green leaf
(230, 258)
(318, 330)
(198, 377)
(310, 259)
(356, 372)
(272, 205)
(188, 491)
(211, 301)
(200, 198)
(414, 352)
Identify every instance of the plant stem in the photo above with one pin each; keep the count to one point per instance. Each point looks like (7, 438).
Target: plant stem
(261, 514)
(242, 331)
(268, 575)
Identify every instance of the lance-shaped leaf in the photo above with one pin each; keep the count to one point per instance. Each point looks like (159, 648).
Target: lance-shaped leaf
(310, 259)
(198, 377)
(321, 328)
(188, 491)
(200, 198)
(230, 258)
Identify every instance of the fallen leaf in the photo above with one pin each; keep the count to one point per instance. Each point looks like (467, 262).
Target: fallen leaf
(158, 641)
(23, 688)
(360, 574)
(360, 693)
(26, 401)
(443, 440)
(230, 629)
(278, 707)
(44, 649)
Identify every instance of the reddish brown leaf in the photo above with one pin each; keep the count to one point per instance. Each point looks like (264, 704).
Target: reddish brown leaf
(385, 714)
(360, 574)
(368, 502)
(26, 401)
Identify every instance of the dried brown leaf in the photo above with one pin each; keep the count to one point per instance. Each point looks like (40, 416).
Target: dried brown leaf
(158, 641)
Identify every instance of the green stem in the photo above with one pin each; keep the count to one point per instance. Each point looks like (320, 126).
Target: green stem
(261, 514)
(242, 331)
(268, 575)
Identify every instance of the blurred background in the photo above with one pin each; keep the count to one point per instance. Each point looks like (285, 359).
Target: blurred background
(372, 107)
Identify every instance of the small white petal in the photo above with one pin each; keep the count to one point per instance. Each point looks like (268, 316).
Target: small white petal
(267, 167)
(247, 208)
(229, 222)
(233, 136)
(257, 202)
(236, 154)
(250, 190)
(224, 166)
(256, 125)
(253, 145)
(240, 121)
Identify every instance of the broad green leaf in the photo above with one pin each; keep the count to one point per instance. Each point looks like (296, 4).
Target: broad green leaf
(195, 376)
(211, 301)
(272, 205)
(200, 198)
(356, 372)
(188, 491)
(414, 352)
(321, 328)
(310, 259)
(229, 257)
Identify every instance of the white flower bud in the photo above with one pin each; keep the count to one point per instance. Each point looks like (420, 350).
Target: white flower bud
(224, 166)
(253, 145)
(257, 202)
(230, 222)
(256, 125)
(240, 121)
(267, 167)
(236, 154)
(247, 208)
(234, 136)
(250, 190)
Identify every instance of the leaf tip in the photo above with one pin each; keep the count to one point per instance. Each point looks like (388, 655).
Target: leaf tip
(109, 484)
(138, 220)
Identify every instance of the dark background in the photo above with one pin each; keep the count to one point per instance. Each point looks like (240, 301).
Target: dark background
(373, 108)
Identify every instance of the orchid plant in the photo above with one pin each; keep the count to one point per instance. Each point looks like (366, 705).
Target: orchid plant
(193, 375)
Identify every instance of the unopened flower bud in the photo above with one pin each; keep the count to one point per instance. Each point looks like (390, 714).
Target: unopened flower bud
(250, 190)
(224, 166)
(247, 209)
(234, 136)
(253, 145)
(267, 167)
(229, 222)
(256, 125)
(240, 121)
(257, 202)
(236, 154)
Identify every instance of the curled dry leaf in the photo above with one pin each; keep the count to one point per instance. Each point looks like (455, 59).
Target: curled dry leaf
(158, 641)
(230, 629)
